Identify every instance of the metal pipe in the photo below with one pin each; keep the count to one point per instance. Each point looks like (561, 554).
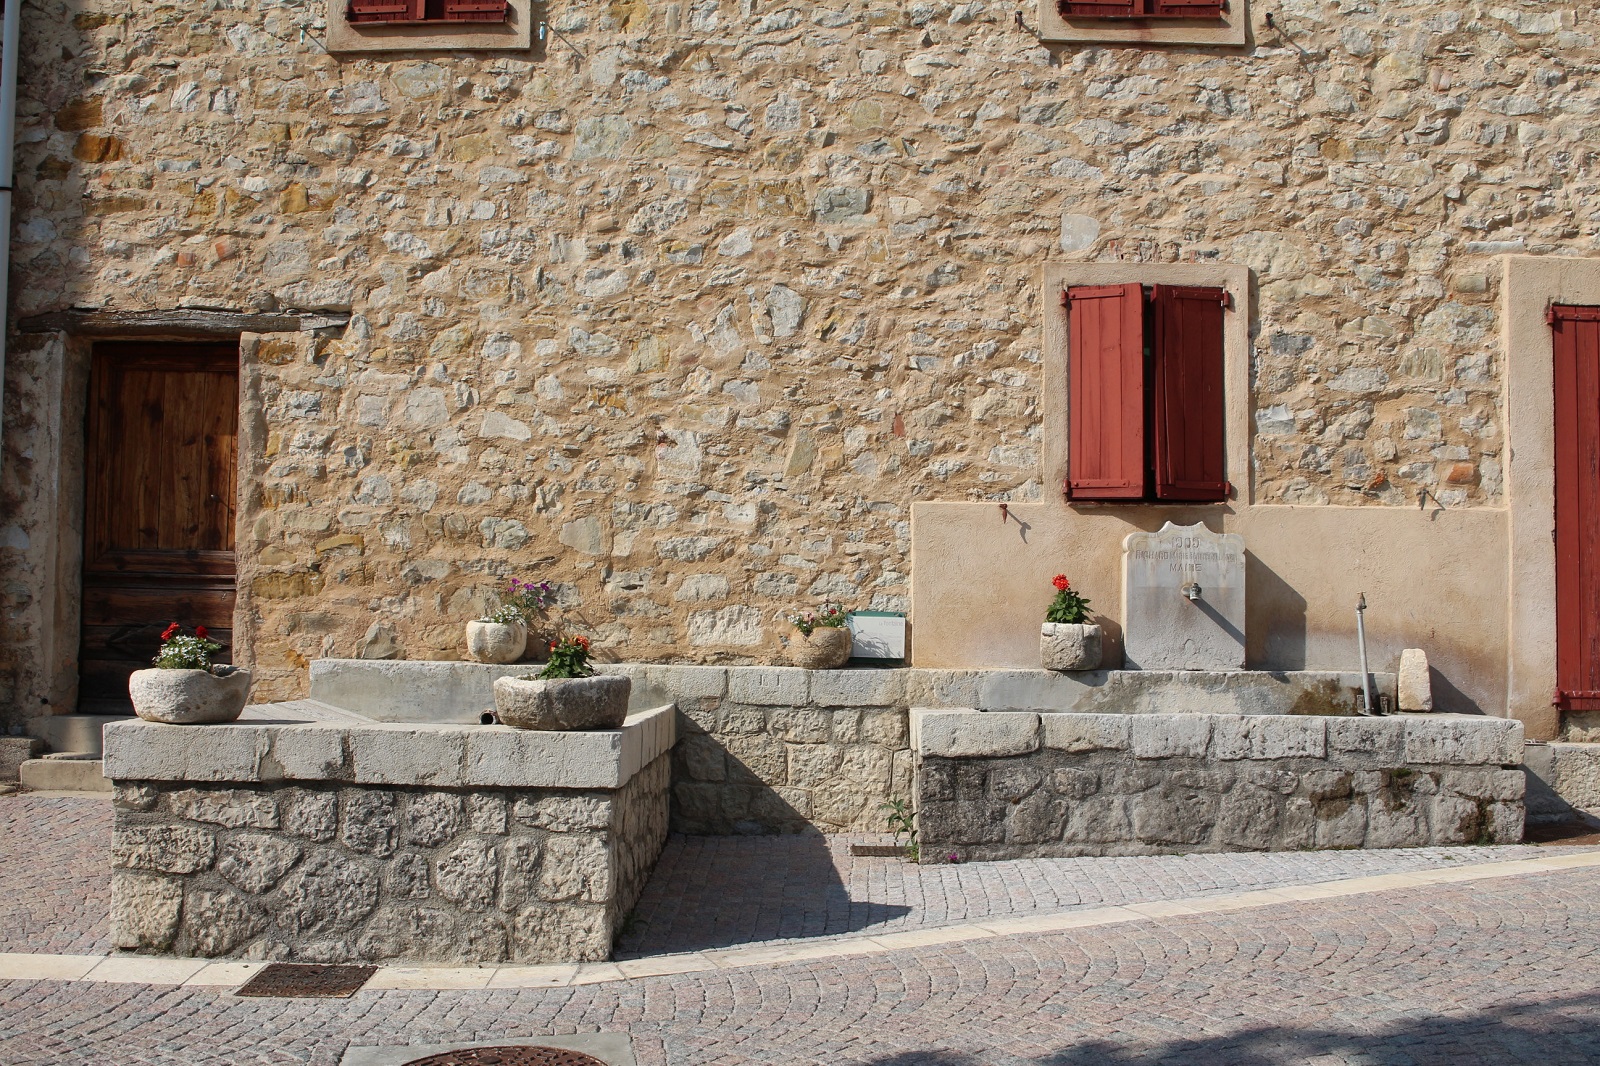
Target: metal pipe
(1361, 639)
(10, 27)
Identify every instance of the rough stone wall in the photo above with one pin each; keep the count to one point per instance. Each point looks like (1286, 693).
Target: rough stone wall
(684, 311)
(1163, 784)
(354, 873)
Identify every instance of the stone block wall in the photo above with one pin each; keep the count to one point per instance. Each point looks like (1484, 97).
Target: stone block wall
(347, 872)
(766, 749)
(780, 750)
(999, 786)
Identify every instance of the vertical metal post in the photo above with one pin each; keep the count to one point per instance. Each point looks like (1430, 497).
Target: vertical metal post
(1361, 639)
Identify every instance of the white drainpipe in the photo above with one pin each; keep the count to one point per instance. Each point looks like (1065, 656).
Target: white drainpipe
(9, 28)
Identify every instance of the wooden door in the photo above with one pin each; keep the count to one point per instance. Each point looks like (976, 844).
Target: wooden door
(1577, 397)
(158, 526)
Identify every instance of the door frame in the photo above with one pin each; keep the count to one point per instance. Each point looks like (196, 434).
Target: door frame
(1530, 284)
(53, 689)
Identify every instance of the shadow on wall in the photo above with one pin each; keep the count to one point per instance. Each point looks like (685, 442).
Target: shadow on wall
(1556, 1030)
(715, 892)
(1281, 645)
(721, 790)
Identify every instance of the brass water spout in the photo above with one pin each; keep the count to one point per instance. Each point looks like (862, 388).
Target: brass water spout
(1192, 591)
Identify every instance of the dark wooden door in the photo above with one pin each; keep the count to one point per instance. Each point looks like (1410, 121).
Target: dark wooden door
(1577, 394)
(158, 526)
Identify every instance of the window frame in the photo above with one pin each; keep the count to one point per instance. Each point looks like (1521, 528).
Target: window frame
(1231, 30)
(1237, 401)
(440, 35)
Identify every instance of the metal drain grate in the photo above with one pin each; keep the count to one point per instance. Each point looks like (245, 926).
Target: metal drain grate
(509, 1056)
(291, 980)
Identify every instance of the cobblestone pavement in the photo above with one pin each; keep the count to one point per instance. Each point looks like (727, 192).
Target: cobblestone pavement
(55, 874)
(791, 887)
(55, 883)
(1492, 971)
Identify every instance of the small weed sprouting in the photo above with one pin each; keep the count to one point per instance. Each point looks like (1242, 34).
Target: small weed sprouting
(903, 824)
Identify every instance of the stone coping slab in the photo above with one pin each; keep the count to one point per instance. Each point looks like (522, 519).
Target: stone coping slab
(1421, 739)
(280, 742)
(435, 692)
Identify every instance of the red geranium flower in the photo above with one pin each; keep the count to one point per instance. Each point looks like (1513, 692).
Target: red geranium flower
(582, 642)
(170, 632)
(1060, 581)
(200, 631)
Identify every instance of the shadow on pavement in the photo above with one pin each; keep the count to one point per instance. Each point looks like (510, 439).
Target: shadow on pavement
(1556, 1031)
(715, 892)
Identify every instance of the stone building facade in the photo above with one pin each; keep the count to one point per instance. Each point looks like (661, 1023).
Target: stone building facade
(708, 311)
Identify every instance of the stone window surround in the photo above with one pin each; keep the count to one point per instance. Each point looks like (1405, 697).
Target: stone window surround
(74, 335)
(515, 34)
(1531, 285)
(1236, 362)
(1233, 32)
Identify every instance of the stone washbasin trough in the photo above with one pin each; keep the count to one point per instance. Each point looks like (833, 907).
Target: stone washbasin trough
(381, 820)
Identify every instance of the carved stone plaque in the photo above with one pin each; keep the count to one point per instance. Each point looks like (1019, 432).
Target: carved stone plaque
(1163, 627)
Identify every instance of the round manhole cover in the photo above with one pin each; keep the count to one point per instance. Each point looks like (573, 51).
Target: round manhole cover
(508, 1056)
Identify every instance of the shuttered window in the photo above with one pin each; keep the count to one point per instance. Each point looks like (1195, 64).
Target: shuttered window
(401, 11)
(475, 10)
(384, 11)
(1141, 9)
(1188, 438)
(1145, 382)
(1106, 386)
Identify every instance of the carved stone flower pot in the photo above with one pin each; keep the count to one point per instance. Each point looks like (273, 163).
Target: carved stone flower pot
(189, 697)
(569, 703)
(496, 642)
(826, 648)
(1069, 646)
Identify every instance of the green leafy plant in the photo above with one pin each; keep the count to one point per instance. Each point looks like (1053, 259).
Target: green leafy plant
(831, 618)
(183, 651)
(569, 657)
(521, 603)
(902, 823)
(1068, 608)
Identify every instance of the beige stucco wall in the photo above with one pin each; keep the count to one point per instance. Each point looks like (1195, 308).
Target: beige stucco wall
(687, 308)
(1531, 285)
(1432, 577)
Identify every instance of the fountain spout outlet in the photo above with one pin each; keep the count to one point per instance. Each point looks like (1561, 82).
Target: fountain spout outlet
(1191, 591)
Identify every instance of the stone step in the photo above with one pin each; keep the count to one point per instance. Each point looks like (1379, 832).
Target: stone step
(79, 772)
(74, 732)
(14, 751)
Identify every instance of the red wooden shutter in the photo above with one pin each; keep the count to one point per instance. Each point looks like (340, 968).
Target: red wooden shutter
(475, 10)
(1101, 9)
(383, 11)
(1188, 9)
(1577, 400)
(1189, 451)
(1105, 373)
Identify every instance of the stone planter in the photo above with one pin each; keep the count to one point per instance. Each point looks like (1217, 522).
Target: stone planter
(569, 703)
(189, 697)
(1069, 646)
(496, 642)
(826, 648)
